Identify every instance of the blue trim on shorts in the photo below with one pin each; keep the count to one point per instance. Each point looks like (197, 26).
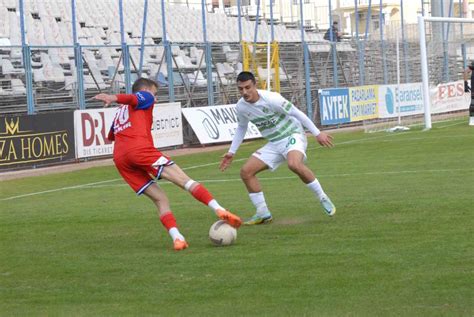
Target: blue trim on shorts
(160, 169)
(144, 187)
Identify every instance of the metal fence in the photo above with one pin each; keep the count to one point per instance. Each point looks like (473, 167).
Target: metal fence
(52, 77)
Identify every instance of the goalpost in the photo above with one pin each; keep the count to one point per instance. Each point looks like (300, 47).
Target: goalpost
(450, 40)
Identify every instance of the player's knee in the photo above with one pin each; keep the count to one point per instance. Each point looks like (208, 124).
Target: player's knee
(246, 173)
(294, 165)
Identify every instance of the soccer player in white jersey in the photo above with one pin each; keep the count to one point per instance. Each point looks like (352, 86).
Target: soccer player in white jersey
(281, 123)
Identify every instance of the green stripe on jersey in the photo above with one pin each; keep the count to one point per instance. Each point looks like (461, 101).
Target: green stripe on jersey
(260, 119)
(273, 125)
(288, 106)
(281, 131)
(285, 135)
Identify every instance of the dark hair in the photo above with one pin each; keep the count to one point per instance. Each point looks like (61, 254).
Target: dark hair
(244, 76)
(141, 83)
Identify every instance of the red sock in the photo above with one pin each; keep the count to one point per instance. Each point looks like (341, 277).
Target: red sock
(200, 193)
(168, 220)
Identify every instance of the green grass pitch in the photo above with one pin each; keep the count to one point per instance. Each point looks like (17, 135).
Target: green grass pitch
(401, 243)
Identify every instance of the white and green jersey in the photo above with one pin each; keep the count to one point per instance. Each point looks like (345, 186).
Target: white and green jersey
(271, 116)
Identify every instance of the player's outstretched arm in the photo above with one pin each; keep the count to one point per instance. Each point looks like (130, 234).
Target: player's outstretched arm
(106, 99)
(236, 141)
(226, 161)
(324, 139)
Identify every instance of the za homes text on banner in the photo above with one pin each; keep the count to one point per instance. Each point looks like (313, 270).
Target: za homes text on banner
(403, 100)
(214, 124)
(334, 106)
(92, 127)
(35, 140)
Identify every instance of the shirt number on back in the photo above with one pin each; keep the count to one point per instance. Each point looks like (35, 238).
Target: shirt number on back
(121, 119)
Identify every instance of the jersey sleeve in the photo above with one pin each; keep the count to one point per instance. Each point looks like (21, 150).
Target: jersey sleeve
(239, 135)
(305, 121)
(279, 103)
(145, 100)
(241, 119)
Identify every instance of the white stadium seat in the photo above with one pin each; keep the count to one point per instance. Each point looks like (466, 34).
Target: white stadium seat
(8, 69)
(48, 23)
(18, 87)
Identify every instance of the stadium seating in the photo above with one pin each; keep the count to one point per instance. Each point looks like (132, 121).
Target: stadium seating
(48, 23)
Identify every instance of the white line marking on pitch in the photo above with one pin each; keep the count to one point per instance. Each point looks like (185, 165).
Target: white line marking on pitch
(59, 189)
(450, 125)
(100, 184)
(237, 160)
(85, 185)
(319, 176)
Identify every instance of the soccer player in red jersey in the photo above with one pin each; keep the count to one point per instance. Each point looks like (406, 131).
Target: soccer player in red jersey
(140, 163)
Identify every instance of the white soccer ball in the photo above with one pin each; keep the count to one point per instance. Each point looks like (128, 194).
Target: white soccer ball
(221, 233)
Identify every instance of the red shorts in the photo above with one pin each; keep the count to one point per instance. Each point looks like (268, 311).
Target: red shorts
(140, 167)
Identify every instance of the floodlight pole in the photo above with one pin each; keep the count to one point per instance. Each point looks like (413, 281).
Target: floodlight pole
(169, 57)
(404, 43)
(309, 102)
(271, 21)
(125, 52)
(257, 20)
(382, 41)
(239, 21)
(269, 47)
(142, 43)
(210, 84)
(359, 49)
(78, 58)
(26, 52)
(366, 35)
(333, 39)
(398, 78)
(463, 44)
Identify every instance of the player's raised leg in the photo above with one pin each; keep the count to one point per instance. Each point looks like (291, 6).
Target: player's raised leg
(248, 173)
(159, 198)
(296, 165)
(176, 175)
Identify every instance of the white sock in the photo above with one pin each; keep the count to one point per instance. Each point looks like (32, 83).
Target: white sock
(175, 234)
(258, 201)
(315, 186)
(215, 205)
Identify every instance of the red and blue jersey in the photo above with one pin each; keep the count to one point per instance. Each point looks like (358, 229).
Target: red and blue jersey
(132, 123)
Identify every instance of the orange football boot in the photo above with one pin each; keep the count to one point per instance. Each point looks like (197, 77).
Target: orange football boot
(180, 244)
(229, 217)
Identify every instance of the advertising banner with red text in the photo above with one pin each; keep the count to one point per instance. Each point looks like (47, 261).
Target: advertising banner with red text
(92, 127)
(449, 97)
